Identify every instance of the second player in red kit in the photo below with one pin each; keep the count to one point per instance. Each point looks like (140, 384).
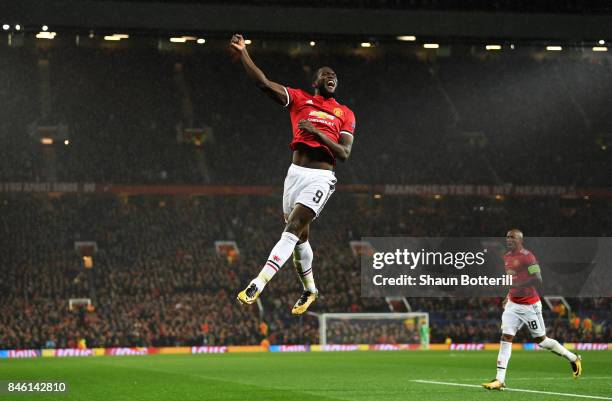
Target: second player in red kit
(522, 265)
(523, 308)
(323, 132)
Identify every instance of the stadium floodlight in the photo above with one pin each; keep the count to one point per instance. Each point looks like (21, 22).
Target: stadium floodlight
(184, 39)
(44, 28)
(201, 41)
(406, 38)
(431, 45)
(115, 36)
(493, 47)
(17, 27)
(66, 142)
(312, 43)
(554, 48)
(46, 141)
(46, 35)
(366, 44)
(248, 41)
(601, 42)
(600, 49)
(368, 328)
(6, 27)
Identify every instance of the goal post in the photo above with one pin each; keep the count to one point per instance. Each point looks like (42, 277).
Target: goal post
(374, 328)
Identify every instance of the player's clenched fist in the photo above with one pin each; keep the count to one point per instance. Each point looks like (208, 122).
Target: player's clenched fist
(237, 43)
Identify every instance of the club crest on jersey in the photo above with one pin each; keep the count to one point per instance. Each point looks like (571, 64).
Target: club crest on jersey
(338, 112)
(309, 101)
(321, 114)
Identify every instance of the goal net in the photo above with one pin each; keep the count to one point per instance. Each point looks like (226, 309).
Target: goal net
(374, 328)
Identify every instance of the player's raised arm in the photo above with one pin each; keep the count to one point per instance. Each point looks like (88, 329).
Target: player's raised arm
(276, 91)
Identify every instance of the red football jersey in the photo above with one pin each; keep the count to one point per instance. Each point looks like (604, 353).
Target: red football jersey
(517, 263)
(327, 115)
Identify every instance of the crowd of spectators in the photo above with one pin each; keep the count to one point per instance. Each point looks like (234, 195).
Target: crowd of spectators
(157, 279)
(506, 118)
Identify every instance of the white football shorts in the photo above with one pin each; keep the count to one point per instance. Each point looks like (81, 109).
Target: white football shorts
(311, 187)
(516, 316)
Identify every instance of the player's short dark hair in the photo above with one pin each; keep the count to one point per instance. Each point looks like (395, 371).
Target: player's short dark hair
(315, 74)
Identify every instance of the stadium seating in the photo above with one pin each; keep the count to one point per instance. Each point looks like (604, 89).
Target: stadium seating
(157, 279)
(455, 119)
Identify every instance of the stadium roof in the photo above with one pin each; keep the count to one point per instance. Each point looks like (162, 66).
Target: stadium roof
(568, 20)
(512, 6)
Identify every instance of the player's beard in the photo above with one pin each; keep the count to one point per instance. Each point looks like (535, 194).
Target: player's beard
(325, 93)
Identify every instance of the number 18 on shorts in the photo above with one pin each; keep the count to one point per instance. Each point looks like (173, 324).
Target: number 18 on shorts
(516, 316)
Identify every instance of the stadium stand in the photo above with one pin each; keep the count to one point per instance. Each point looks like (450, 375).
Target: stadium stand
(460, 119)
(158, 281)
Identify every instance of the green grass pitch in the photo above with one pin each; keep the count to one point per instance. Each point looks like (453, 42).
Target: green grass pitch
(374, 376)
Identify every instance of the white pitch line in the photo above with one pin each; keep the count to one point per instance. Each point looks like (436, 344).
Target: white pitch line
(517, 389)
(539, 378)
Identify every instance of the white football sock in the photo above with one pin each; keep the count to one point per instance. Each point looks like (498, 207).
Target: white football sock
(503, 357)
(279, 255)
(302, 260)
(554, 346)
